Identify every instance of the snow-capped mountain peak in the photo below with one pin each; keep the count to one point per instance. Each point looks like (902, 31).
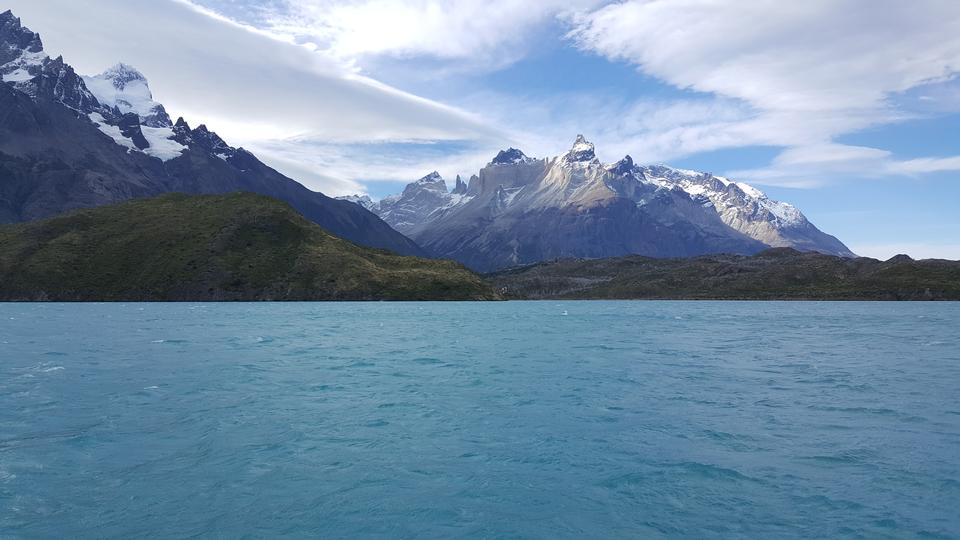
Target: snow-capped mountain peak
(21, 56)
(124, 88)
(130, 116)
(747, 209)
(510, 156)
(582, 151)
(122, 75)
(118, 102)
(520, 210)
(623, 167)
(431, 182)
(17, 36)
(362, 200)
(64, 149)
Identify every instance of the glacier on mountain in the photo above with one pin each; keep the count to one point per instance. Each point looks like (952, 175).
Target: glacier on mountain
(126, 89)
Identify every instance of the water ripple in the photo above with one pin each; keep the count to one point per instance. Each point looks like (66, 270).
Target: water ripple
(497, 420)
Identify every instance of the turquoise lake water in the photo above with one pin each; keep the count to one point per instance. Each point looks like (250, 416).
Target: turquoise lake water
(480, 420)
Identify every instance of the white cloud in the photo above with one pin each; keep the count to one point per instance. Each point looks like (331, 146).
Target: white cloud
(247, 84)
(477, 31)
(810, 71)
(814, 165)
(925, 165)
(814, 56)
(345, 169)
(794, 76)
(647, 129)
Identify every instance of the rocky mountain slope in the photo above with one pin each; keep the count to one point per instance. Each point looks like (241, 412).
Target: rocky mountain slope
(239, 246)
(519, 210)
(774, 274)
(69, 142)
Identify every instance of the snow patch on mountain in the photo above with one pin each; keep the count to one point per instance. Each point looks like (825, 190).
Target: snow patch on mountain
(582, 151)
(509, 194)
(111, 131)
(23, 68)
(704, 211)
(52, 125)
(731, 199)
(362, 200)
(751, 191)
(126, 89)
(161, 143)
(432, 182)
(22, 58)
(510, 156)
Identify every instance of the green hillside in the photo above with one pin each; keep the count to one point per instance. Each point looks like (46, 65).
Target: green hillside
(211, 247)
(775, 274)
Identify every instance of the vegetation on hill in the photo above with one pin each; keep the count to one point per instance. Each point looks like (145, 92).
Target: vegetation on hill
(238, 246)
(775, 274)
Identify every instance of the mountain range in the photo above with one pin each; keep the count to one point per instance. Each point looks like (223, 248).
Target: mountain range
(520, 210)
(69, 142)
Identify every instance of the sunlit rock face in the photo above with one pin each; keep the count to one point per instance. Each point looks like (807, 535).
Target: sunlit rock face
(521, 210)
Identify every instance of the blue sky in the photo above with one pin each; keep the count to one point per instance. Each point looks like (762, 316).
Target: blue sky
(847, 108)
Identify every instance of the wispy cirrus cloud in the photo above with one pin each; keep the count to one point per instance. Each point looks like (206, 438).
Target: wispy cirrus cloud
(486, 33)
(810, 71)
(249, 84)
(287, 78)
(819, 55)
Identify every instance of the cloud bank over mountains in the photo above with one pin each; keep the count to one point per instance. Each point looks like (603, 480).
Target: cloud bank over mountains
(207, 67)
(743, 74)
(810, 71)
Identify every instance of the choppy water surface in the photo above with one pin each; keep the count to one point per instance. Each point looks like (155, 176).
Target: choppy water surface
(486, 420)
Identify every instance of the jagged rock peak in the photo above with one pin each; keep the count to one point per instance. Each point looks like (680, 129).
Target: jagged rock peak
(509, 156)
(432, 181)
(461, 187)
(16, 37)
(21, 54)
(582, 150)
(123, 87)
(121, 75)
(624, 166)
(130, 128)
(209, 140)
(430, 178)
(59, 82)
(362, 200)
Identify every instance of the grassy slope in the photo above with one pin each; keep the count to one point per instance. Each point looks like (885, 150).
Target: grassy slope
(774, 274)
(217, 247)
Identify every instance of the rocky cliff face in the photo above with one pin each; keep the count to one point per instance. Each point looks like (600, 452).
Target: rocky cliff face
(69, 142)
(520, 210)
(747, 209)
